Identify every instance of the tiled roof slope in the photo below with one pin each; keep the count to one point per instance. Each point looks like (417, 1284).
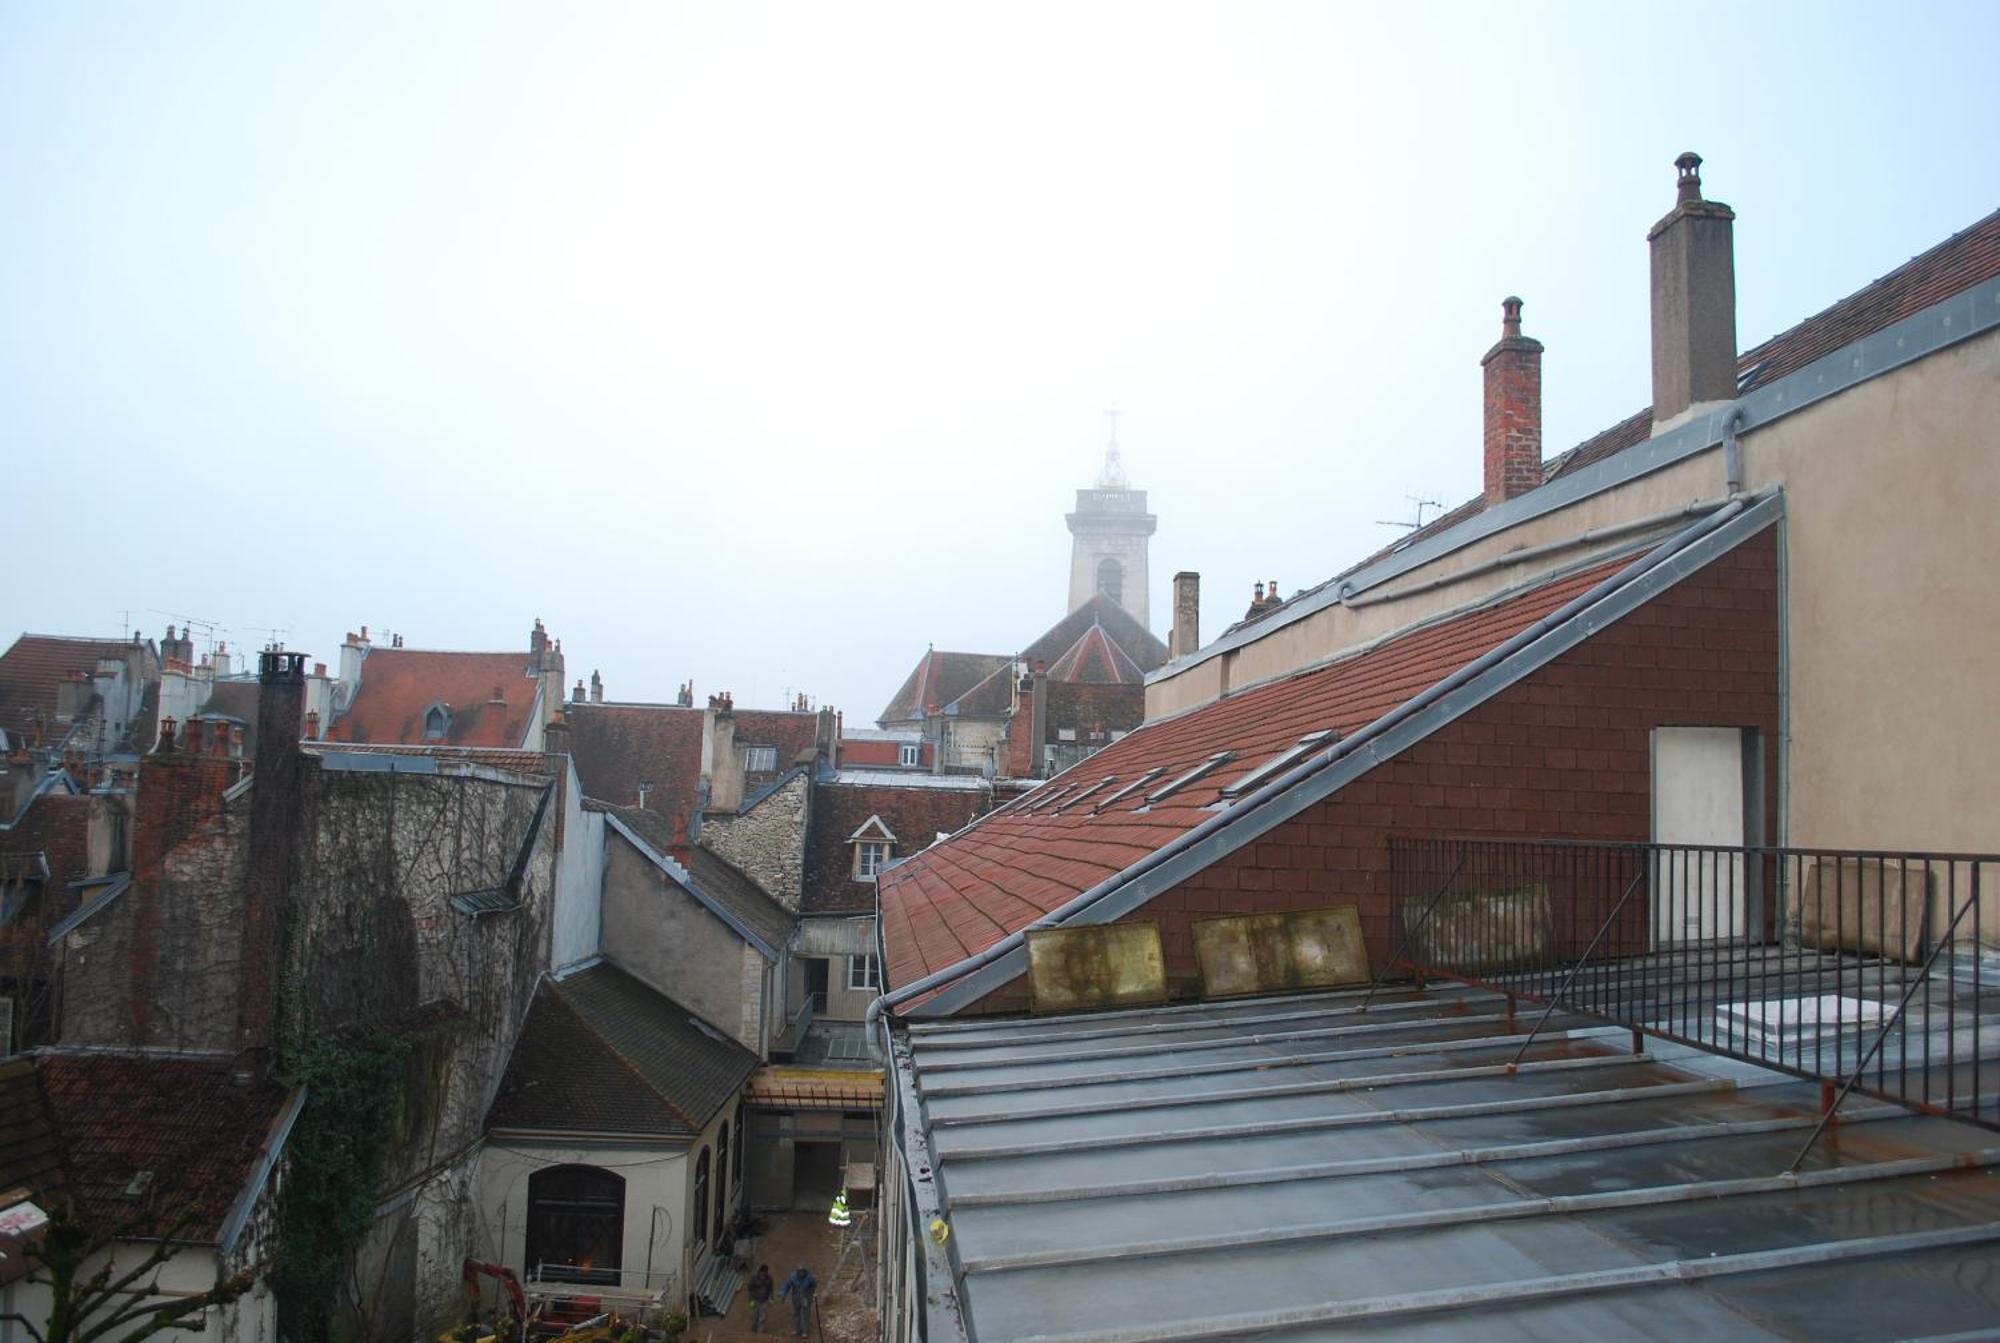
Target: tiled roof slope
(490, 696)
(1095, 660)
(1958, 263)
(604, 1053)
(30, 1157)
(1026, 860)
(1138, 642)
(916, 814)
(493, 757)
(31, 677)
(617, 746)
(719, 879)
(939, 679)
(190, 1122)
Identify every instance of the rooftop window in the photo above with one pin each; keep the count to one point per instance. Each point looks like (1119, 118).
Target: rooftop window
(1302, 748)
(1215, 761)
(1128, 789)
(1075, 798)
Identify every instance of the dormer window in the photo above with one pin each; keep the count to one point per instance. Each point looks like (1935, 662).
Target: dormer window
(437, 722)
(760, 759)
(910, 754)
(874, 844)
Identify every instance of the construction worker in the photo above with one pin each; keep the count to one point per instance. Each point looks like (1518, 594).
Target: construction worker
(839, 1216)
(800, 1287)
(760, 1298)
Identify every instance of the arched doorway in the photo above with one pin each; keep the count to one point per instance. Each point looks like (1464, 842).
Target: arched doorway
(576, 1224)
(1111, 579)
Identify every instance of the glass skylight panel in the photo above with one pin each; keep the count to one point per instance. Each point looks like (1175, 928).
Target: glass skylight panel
(1041, 802)
(1290, 754)
(1218, 759)
(1078, 797)
(1128, 789)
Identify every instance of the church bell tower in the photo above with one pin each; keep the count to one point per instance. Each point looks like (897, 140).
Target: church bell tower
(1111, 530)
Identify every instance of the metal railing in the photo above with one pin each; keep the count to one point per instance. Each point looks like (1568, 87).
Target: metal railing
(1875, 972)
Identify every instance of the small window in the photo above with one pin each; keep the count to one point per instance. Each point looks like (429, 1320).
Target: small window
(760, 759)
(1215, 761)
(862, 974)
(870, 857)
(910, 754)
(1288, 756)
(437, 722)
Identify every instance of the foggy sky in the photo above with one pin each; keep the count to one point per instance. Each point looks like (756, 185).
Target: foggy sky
(766, 345)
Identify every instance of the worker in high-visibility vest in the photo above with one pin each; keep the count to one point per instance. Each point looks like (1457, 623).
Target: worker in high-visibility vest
(839, 1215)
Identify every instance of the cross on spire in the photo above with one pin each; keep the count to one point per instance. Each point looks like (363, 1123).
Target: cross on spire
(1112, 477)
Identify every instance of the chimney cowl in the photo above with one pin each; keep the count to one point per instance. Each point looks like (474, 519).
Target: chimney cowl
(1693, 263)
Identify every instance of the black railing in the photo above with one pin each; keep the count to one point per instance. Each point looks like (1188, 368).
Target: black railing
(1867, 971)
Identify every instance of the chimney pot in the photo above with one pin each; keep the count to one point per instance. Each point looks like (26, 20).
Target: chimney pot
(1688, 187)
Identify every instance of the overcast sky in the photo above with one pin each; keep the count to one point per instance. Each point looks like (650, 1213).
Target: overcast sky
(766, 345)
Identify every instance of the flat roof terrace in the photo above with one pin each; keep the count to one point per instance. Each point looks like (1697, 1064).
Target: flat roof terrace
(1298, 1167)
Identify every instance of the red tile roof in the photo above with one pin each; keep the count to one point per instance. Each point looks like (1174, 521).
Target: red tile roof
(31, 677)
(188, 1121)
(1026, 860)
(1095, 660)
(490, 697)
(1965, 259)
(617, 746)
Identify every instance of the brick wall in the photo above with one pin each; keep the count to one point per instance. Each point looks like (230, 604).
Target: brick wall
(1565, 753)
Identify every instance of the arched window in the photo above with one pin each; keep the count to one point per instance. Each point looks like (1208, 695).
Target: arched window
(721, 1180)
(437, 722)
(576, 1224)
(1111, 579)
(700, 1223)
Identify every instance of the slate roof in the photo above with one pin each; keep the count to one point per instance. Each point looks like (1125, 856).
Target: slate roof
(189, 1121)
(1137, 642)
(981, 685)
(1033, 856)
(1965, 259)
(721, 881)
(602, 1052)
(616, 746)
(491, 697)
(1286, 1168)
(31, 676)
(914, 812)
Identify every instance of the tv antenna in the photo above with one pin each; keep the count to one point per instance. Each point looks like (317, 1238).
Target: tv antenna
(1419, 505)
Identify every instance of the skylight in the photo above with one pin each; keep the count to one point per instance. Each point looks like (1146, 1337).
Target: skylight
(1075, 798)
(1041, 802)
(1303, 747)
(1218, 759)
(1128, 789)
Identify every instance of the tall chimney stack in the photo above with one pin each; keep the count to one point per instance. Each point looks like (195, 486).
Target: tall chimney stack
(1513, 439)
(1186, 634)
(596, 688)
(1694, 302)
(274, 823)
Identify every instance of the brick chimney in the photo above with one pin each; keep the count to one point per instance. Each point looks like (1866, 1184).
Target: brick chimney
(1186, 635)
(274, 823)
(1513, 439)
(1694, 302)
(1023, 727)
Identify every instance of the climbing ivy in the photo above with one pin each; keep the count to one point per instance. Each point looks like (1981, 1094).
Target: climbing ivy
(335, 1172)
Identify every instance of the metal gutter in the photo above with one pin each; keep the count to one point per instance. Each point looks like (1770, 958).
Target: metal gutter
(268, 1156)
(1966, 314)
(1330, 770)
(1550, 1205)
(685, 880)
(1560, 1285)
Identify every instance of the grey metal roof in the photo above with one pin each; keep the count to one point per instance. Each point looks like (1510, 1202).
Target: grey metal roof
(1297, 1167)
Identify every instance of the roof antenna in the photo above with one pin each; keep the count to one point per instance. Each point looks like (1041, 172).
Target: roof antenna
(1420, 505)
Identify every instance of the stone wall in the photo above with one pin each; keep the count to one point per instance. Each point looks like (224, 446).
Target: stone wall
(767, 842)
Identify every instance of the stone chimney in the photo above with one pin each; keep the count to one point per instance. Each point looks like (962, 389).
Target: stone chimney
(826, 736)
(1513, 439)
(1186, 635)
(223, 662)
(596, 688)
(555, 736)
(721, 766)
(275, 809)
(686, 697)
(1694, 302)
